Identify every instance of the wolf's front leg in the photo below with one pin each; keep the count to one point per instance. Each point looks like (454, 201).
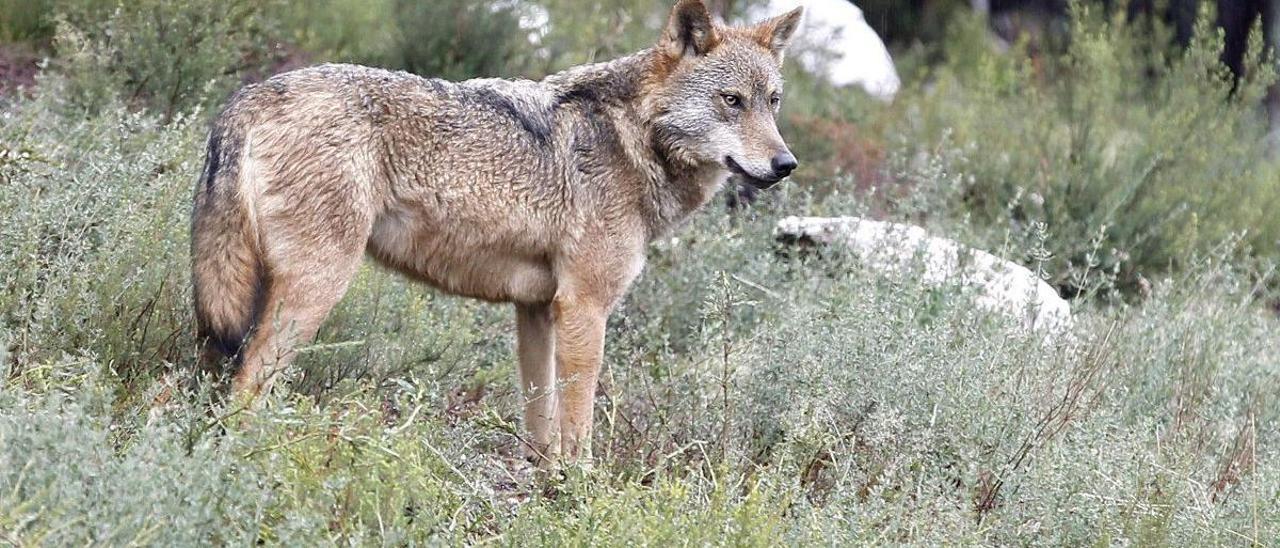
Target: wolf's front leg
(579, 335)
(536, 346)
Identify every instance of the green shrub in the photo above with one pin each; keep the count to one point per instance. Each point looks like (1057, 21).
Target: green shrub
(453, 39)
(34, 21)
(748, 399)
(167, 55)
(25, 20)
(361, 31)
(67, 479)
(95, 235)
(1144, 155)
(458, 39)
(601, 31)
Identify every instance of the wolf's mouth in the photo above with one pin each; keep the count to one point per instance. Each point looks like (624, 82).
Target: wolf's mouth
(758, 182)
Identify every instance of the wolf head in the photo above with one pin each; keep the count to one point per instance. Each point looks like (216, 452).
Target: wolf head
(718, 93)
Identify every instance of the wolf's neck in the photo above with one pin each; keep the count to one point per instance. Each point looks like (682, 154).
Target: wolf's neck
(670, 191)
(621, 79)
(672, 199)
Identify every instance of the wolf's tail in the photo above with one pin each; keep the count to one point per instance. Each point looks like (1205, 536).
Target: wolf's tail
(228, 274)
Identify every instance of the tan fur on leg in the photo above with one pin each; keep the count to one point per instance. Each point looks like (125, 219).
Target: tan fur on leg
(579, 350)
(536, 347)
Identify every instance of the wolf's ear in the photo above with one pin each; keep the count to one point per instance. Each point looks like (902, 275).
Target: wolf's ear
(775, 34)
(689, 30)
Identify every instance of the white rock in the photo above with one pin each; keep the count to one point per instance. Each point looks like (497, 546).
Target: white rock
(836, 42)
(1000, 286)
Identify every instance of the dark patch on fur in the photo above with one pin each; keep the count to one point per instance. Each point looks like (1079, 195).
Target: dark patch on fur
(226, 345)
(259, 308)
(595, 140)
(580, 94)
(589, 102)
(222, 157)
(437, 85)
(537, 124)
(213, 157)
(277, 85)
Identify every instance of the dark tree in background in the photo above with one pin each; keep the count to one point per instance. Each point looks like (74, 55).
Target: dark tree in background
(1236, 18)
(903, 23)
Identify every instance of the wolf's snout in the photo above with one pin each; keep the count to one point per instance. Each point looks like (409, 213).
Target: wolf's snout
(783, 164)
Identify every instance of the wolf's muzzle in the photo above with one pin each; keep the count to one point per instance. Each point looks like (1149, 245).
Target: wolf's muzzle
(781, 166)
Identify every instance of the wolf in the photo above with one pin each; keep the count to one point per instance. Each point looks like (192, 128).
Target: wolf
(540, 194)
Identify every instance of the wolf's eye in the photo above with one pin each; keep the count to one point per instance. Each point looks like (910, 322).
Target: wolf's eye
(775, 100)
(731, 99)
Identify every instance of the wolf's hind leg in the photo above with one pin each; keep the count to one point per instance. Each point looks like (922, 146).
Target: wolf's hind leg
(295, 308)
(310, 261)
(535, 345)
(297, 302)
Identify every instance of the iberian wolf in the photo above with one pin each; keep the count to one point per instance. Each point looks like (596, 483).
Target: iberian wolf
(540, 194)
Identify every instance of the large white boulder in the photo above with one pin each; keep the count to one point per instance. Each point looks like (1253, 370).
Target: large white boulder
(836, 42)
(1000, 286)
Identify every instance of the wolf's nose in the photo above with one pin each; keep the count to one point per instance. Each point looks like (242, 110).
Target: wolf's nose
(783, 164)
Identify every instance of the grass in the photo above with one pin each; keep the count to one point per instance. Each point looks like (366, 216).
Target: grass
(749, 399)
(752, 395)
